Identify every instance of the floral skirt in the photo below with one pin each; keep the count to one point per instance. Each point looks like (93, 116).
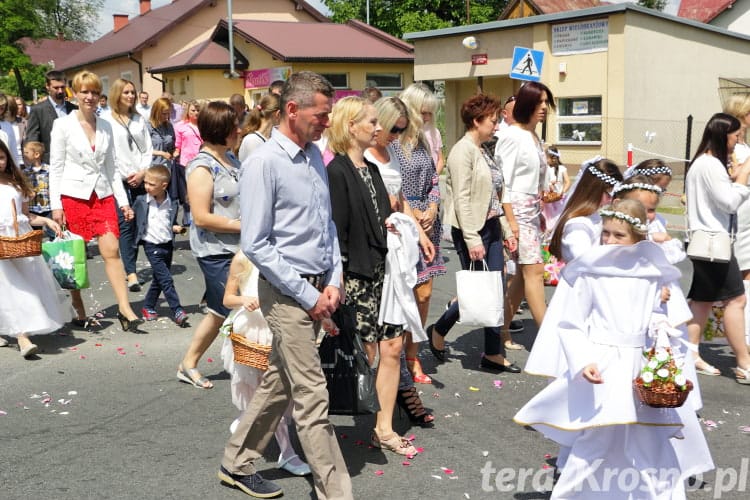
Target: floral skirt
(530, 235)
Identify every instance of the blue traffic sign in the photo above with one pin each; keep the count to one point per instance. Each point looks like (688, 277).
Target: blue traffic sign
(527, 64)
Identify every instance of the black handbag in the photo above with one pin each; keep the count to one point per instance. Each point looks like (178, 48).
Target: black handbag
(349, 378)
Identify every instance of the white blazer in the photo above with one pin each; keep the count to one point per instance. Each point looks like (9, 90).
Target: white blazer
(77, 171)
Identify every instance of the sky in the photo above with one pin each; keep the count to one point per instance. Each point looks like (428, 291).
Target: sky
(130, 7)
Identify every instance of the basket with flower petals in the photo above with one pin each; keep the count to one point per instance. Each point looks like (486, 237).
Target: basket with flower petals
(661, 383)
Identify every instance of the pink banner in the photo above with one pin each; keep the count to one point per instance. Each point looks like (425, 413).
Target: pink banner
(262, 78)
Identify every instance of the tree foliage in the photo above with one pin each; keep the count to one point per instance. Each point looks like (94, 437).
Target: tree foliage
(653, 4)
(403, 16)
(73, 19)
(36, 19)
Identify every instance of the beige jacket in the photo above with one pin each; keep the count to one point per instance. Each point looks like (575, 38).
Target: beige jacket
(468, 190)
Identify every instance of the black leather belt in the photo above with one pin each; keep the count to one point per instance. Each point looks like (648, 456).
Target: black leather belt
(316, 280)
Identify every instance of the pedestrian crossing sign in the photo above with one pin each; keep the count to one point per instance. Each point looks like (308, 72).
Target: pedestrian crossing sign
(527, 64)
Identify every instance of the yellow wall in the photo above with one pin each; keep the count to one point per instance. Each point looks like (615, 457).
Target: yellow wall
(194, 30)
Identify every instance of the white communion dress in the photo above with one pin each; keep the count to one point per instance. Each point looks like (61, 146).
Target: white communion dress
(33, 302)
(604, 426)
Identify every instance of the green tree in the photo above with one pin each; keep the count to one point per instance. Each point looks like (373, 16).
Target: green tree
(71, 19)
(653, 4)
(19, 19)
(397, 17)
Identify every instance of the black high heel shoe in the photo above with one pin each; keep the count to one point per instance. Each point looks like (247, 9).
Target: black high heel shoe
(409, 401)
(128, 325)
(438, 353)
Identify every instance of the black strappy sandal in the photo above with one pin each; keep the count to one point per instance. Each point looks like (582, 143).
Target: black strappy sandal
(409, 401)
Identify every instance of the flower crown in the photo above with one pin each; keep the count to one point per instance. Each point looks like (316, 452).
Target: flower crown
(633, 221)
(590, 165)
(636, 185)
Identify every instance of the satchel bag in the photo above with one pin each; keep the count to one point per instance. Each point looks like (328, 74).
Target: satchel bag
(66, 258)
(25, 245)
(713, 246)
(480, 296)
(349, 378)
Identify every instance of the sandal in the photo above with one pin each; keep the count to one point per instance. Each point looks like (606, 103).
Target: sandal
(193, 377)
(421, 378)
(410, 402)
(742, 376)
(705, 369)
(394, 443)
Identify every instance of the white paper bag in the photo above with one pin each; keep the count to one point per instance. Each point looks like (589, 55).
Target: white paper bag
(480, 296)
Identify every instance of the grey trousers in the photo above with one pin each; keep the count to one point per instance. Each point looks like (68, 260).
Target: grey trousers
(294, 373)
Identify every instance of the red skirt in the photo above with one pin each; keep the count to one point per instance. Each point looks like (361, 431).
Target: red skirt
(92, 217)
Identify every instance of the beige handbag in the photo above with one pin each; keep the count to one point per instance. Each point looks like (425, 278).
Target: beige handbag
(713, 246)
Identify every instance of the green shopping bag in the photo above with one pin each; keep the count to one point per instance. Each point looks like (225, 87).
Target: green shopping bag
(66, 258)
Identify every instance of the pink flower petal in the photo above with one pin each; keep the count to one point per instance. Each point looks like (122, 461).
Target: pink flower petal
(547, 455)
(379, 472)
(545, 466)
(81, 357)
(498, 384)
(122, 352)
(447, 470)
(72, 348)
(419, 449)
(406, 463)
(98, 344)
(411, 438)
(210, 360)
(745, 429)
(358, 442)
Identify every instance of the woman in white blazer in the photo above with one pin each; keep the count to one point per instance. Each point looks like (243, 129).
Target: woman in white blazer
(84, 188)
(519, 152)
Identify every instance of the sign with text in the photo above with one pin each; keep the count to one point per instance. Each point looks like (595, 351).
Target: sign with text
(527, 64)
(262, 78)
(580, 37)
(479, 59)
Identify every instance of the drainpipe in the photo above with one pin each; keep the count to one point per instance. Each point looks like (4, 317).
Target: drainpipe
(232, 72)
(140, 68)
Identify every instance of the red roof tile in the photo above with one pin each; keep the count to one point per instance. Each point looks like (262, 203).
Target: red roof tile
(291, 41)
(205, 55)
(144, 30)
(703, 10)
(552, 6)
(51, 50)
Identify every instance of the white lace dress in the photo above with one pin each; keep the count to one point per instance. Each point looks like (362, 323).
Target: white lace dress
(33, 302)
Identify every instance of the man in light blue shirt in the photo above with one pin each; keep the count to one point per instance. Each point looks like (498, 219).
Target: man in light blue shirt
(288, 233)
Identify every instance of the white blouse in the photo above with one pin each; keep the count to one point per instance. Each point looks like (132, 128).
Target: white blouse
(132, 142)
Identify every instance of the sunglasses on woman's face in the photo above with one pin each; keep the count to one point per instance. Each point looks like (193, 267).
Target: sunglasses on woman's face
(397, 130)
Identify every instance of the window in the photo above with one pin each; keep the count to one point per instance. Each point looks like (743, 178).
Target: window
(338, 80)
(127, 75)
(384, 81)
(579, 120)
(105, 84)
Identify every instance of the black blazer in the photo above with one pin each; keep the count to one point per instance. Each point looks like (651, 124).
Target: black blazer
(361, 231)
(39, 123)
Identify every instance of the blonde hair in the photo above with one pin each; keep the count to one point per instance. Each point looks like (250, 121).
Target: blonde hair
(245, 268)
(115, 92)
(738, 106)
(196, 103)
(160, 105)
(631, 211)
(88, 79)
(417, 97)
(348, 110)
(390, 110)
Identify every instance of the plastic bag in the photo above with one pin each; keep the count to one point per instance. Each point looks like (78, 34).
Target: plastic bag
(66, 258)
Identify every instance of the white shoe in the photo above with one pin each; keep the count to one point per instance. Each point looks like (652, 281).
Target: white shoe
(3, 342)
(29, 351)
(296, 470)
(233, 425)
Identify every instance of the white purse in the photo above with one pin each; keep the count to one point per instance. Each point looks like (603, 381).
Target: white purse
(480, 296)
(713, 246)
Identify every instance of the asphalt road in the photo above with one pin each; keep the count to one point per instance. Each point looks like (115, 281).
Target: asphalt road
(100, 415)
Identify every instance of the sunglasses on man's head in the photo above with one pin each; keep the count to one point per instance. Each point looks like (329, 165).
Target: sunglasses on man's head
(397, 130)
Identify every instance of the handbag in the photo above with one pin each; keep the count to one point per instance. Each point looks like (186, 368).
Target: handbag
(66, 258)
(26, 245)
(349, 378)
(480, 296)
(713, 246)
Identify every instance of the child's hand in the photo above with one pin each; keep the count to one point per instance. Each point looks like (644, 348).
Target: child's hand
(177, 229)
(54, 226)
(665, 294)
(659, 237)
(591, 374)
(250, 303)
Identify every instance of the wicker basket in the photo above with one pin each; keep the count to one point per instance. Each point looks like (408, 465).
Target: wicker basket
(27, 245)
(661, 396)
(551, 196)
(248, 353)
